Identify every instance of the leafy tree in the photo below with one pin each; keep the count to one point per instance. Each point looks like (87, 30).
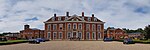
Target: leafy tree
(147, 32)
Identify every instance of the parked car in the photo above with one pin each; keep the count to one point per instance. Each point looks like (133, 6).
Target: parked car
(107, 39)
(34, 41)
(128, 41)
(3, 39)
(41, 39)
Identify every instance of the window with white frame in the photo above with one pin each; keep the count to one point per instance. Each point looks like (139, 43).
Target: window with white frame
(93, 26)
(69, 26)
(80, 35)
(80, 26)
(74, 26)
(87, 26)
(87, 35)
(55, 35)
(49, 35)
(60, 35)
(54, 26)
(49, 27)
(53, 18)
(93, 35)
(60, 26)
(99, 35)
(99, 27)
(89, 18)
(95, 19)
(68, 35)
(59, 18)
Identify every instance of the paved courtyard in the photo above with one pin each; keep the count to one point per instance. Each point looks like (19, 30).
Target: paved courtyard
(76, 45)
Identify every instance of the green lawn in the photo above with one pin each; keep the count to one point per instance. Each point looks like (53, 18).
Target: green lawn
(142, 40)
(12, 41)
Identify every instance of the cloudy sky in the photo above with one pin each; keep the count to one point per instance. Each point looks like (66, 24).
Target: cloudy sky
(130, 14)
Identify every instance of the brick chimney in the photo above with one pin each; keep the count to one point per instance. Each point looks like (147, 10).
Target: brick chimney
(26, 26)
(54, 15)
(92, 15)
(83, 14)
(67, 13)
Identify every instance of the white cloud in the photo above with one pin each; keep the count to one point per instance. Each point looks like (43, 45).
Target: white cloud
(117, 13)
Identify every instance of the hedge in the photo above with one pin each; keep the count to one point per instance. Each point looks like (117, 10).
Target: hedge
(12, 42)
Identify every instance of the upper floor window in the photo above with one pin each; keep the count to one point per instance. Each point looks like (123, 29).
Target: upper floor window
(89, 19)
(54, 26)
(87, 26)
(69, 26)
(98, 27)
(60, 26)
(59, 18)
(93, 26)
(80, 26)
(74, 26)
(49, 27)
(95, 19)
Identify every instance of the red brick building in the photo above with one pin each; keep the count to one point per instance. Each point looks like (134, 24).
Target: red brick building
(65, 27)
(29, 33)
(115, 33)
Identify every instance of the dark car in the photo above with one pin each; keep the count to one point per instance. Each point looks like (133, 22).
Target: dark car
(107, 39)
(3, 39)
(128, 41)
(41, 39)
(34, 41)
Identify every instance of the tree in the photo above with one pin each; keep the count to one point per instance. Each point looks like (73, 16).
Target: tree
(147, 31)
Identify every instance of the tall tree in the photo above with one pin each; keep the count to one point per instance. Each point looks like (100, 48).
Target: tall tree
(147, 32)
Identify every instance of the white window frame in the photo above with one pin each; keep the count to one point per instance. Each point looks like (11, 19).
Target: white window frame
(95, 19)
(75, 27)
(61, 35)
(49, 27)
(99, 35)
(89, 18)
(69, 28)
(49, 35)
(79, 26)
(78, 34)
(69, 35)
(88, 35)
(60, 25)
(94, 35)
(53, 35)
(59, 18)
(54, 25)
(98, 27)
(87, 26)
(93, 27)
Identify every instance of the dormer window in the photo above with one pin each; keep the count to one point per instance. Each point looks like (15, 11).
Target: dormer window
(95, 19)
(53, 18)
(89, 19)
(59, 18)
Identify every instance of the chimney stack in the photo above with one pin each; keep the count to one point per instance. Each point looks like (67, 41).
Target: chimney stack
(92, 15)
(82, 13)
(26, 26)
(67, 13)
(54, 15)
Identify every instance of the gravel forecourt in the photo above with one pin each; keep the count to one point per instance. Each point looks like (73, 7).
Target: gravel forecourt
(76, 45)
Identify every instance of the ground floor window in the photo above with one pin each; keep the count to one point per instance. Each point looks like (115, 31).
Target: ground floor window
(80, 35)
(60, 35)
(54, 35)
(68, 35)
(49, 35)
(99, 35)
(93, 35)
(87, 35)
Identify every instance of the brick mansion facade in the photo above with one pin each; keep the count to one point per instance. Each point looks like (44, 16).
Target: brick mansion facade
(65, 27)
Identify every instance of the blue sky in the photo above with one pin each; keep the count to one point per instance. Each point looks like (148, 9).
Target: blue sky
(130, 14)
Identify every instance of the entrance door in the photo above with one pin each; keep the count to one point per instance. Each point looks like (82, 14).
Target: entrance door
(74, 34)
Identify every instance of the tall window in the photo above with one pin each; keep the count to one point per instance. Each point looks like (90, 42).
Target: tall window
(68, 35)
(95, 19)
(99, 27)
(54, 35)
(87, 35)
(80, 35)
(54, 26)
(87, 26)
(69, 26)
(80, 26)
(49, 27)
(60, 35)
(99, 35)
(93, 35)
(74, 26)
(49, 35)
(93, 26)
(53, 18)
(60, 26)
